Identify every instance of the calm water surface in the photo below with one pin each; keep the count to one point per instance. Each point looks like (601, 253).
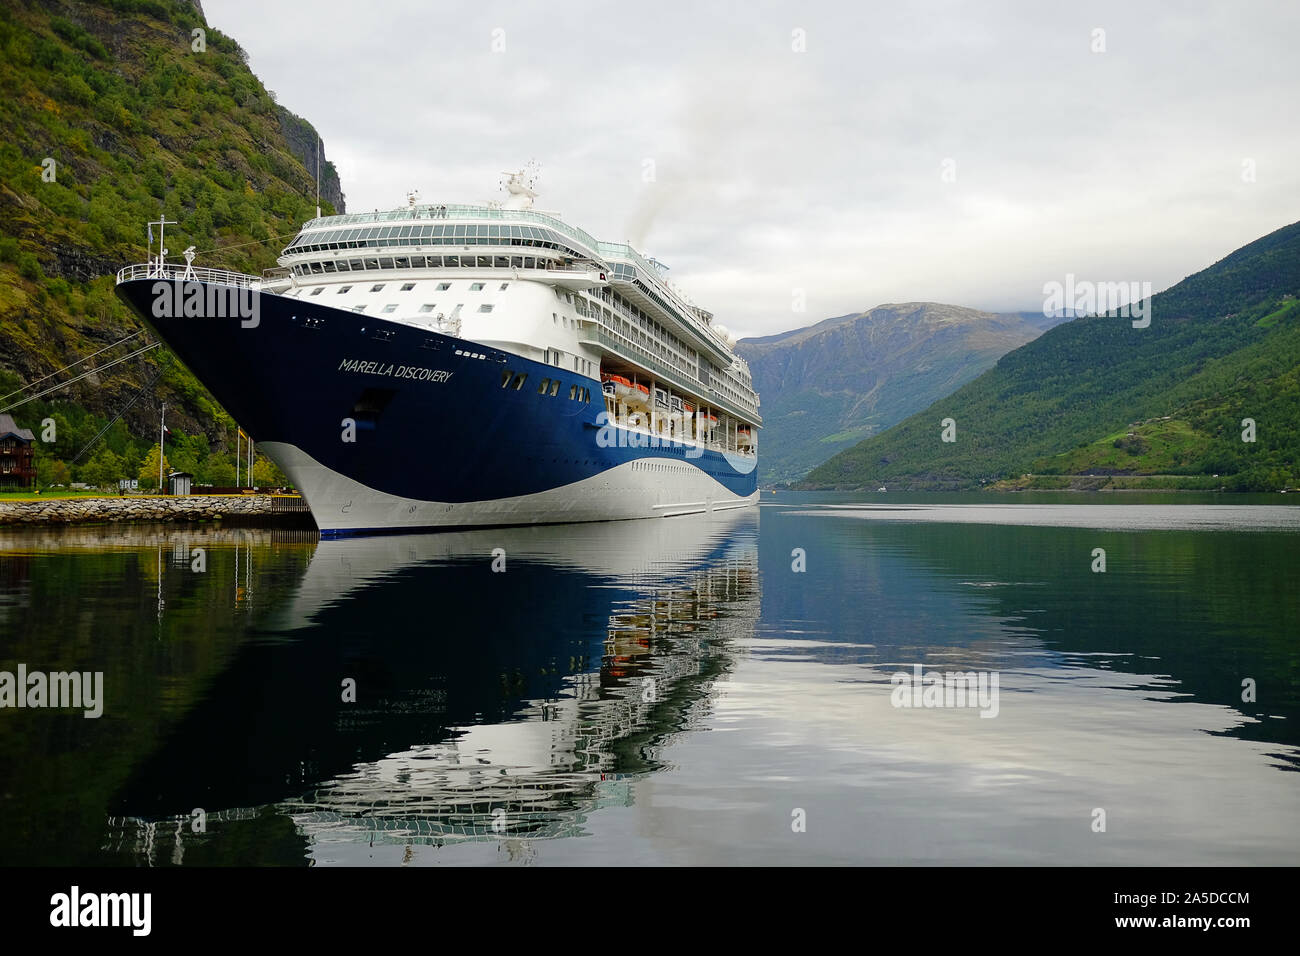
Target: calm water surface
(668, 691)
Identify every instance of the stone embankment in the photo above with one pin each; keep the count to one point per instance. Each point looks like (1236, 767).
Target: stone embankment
(261, 509)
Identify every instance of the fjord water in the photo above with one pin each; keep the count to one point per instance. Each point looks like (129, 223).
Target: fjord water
(668, 691)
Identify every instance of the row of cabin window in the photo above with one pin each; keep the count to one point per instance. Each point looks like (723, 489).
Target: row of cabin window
(408, 286)
(667, 344)
(425, 308)
(659, 339)
(367, 245)
(378, 238)
(421, 262)
(580, 365)
(417, 231)
(688, 371)
(661, 466)
(548, 386)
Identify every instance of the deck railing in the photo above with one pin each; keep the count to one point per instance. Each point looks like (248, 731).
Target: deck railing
(676, 297)
(172, 272)
(598, 334)
(440, 212)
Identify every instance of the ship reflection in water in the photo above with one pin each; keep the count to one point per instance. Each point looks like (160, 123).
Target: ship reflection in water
(617, 684)
(501, 705)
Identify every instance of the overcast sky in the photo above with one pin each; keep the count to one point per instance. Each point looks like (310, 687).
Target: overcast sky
(822, 170)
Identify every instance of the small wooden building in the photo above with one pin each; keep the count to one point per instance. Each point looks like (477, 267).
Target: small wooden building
(17, 461)
(178, 483)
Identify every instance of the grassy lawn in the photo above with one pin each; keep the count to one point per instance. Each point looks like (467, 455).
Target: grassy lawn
(7, 495)
(58, 493)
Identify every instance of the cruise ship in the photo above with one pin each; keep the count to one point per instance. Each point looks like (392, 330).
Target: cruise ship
(440, 366)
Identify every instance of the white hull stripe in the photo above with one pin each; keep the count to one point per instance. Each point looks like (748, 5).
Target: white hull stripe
(341, 505)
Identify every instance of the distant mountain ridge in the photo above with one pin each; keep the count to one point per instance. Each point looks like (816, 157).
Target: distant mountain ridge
(828, 385)
(1096, 400)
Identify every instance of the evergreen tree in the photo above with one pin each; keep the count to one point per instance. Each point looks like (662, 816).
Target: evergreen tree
(104, 468)
(218, 470)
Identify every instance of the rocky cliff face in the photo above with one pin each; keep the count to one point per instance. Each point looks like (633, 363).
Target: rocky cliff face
(113, 118)
(828, 386)
(301, 137)
(76, 264)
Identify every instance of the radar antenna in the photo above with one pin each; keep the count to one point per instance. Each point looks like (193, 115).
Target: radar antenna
(521, 186)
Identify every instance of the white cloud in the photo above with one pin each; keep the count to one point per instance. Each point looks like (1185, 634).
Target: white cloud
(822, 169)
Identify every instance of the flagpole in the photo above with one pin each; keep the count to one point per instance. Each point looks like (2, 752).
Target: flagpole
(162, 430)
(239, 454)
(162, 222)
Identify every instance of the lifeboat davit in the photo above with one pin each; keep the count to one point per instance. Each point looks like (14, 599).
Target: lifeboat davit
(633, 395)
(625, 391)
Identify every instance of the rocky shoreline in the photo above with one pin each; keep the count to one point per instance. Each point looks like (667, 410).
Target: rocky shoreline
(248, 510)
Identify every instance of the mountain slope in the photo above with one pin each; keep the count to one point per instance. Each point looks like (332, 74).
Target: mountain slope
(1223, 345)
(827, 386)
(113, 117)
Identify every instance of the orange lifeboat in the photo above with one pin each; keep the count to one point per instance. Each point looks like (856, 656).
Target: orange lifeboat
(635, 396)
(609, 384)
(625, 390)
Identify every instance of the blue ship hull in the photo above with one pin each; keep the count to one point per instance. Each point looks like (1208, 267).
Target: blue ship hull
(384, 426)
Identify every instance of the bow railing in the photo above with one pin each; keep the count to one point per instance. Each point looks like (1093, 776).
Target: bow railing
(172, 272)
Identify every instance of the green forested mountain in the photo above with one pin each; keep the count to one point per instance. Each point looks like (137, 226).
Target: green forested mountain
(1097, 396)
(114, 113)
(826, 387)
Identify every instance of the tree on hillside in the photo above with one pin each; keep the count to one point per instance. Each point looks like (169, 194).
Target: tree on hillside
(217, 469)
(148, 474)
(104, 468)
(51, 471)
(264, 473)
